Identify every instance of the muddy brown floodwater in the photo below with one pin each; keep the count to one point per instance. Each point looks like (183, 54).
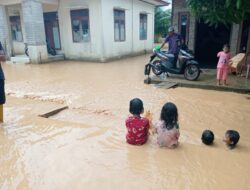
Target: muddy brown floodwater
(84, 146)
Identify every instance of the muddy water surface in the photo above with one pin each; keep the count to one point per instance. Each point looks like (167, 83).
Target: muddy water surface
(84, 146)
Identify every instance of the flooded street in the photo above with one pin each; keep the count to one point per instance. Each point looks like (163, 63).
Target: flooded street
(84, 147)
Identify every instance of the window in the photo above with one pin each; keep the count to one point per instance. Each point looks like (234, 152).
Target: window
(16, 30)
(143, 26)
(119, 25)
(184, 26)
(80, 25)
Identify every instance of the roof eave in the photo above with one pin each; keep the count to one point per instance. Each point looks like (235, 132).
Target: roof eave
(161, 3)
(156, 2)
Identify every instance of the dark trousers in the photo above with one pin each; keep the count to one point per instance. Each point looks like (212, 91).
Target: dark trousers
(2, 92)
(175, 60)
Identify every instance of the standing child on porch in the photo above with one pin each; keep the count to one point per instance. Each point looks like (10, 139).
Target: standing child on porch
(223, 64)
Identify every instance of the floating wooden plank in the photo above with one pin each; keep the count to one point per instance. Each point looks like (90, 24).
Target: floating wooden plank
(53, 112)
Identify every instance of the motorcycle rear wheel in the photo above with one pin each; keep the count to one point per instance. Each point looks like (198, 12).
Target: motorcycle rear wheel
(157, 68)
(192, 72)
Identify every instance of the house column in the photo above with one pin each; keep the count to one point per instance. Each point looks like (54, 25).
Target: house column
(4, 31)
(234, 41)
(34, 30)
(192, 32)
(248, 41)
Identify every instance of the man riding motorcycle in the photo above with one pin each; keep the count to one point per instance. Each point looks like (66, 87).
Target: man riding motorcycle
(172, 39)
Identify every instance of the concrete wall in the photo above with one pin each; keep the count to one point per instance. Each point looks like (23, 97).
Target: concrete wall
(85, 50)
(35, 31)
(33, 22)
(16, 10)
(180, 6)
(132, 44)
(102, 45)
(4, 31)
(234, 39)
(143, 45)
(18, 47)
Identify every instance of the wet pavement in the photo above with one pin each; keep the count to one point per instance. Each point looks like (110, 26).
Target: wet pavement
(83, 146)
(207, 80)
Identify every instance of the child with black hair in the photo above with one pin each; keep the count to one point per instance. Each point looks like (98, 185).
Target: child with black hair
(231, 138)
(167, 127)
(137, 126)
(207, 137)
(223, 64)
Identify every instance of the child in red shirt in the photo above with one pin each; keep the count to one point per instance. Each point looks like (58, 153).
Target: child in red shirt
(137, 126)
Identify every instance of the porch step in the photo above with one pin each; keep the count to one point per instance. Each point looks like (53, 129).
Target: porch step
(20, 59)
(59, 57)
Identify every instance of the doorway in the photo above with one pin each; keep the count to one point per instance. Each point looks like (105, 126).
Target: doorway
(209, 41)
(52, 30)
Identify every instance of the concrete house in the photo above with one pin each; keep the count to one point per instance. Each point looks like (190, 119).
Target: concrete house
(206, 41)
(78, 29)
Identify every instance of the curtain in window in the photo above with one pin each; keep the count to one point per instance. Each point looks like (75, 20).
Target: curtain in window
(80, 25)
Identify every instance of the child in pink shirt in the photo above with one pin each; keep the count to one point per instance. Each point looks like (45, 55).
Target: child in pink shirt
(222, 66)
(167, 127)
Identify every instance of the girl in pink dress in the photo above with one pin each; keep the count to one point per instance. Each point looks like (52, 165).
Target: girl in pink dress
(167, 127)
(222, 66)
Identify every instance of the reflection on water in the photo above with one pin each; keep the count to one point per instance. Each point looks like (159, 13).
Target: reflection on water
(84, 146)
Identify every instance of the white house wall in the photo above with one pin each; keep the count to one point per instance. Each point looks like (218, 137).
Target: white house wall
(91, 50)
(142, 45)
(102, 45)
(18, 47)
(132, 44)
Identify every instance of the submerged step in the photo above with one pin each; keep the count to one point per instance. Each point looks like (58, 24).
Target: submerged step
(20, 59)
(167, 85)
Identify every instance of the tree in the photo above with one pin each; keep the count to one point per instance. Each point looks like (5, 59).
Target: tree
(214, 12)
(162, 21)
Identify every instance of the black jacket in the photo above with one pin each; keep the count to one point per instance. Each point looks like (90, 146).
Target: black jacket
(1, 70)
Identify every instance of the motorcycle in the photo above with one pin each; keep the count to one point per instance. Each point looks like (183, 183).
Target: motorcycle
(188, 66)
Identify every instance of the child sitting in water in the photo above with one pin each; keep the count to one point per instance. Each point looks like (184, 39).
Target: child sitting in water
(167, 127)
(223, 65)
(231, 138)
(137, 126)
(207, 137)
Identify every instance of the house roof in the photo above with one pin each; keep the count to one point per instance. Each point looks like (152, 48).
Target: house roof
(161, 2)
(156, 2)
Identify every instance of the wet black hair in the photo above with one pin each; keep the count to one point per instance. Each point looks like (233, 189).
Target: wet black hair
(207, 137)
(169, 114)
(136, 106)
(233, 136)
